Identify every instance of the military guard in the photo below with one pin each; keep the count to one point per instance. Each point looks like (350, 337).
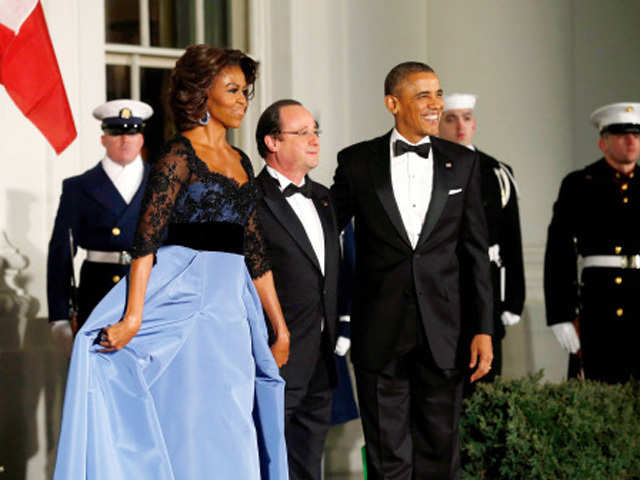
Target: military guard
(596, 221)
(500, 199)
(98, 211)
(343, 403)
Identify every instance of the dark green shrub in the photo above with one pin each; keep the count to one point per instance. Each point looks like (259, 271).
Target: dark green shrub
(522, 429)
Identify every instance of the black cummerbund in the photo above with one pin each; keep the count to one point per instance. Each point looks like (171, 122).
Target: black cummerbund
(213, 236)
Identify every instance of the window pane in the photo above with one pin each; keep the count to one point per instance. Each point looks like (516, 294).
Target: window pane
(217, 23)
(172, 23)
(118, 82)
(122, 21)
(154, 87)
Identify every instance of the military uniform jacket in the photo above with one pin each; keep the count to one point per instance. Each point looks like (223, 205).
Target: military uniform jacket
(100, 219)
(500, 200)
(597, 213)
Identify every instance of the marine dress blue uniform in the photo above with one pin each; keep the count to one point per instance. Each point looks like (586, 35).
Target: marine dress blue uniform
(196, 393)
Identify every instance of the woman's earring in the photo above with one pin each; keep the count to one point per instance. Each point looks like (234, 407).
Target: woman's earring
(205, 119)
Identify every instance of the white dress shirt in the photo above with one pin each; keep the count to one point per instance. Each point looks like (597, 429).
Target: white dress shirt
(307, 214)
(127, 178)
(412, 181)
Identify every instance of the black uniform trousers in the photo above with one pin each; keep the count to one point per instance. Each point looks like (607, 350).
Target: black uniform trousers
(410, 427)
(609, 354)
(96, 280)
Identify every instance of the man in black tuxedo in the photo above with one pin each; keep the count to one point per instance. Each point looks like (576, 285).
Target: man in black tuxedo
(419, 219)
(303, 245)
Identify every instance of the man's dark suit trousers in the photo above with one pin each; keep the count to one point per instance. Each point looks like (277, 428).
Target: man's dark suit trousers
(411, 416)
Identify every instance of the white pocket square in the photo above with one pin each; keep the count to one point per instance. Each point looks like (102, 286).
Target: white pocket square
(454, 191)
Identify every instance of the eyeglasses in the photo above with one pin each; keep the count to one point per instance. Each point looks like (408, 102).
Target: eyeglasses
(304, 133)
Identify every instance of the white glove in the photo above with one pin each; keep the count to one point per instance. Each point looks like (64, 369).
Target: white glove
(62, 335)
(509, 318)
(567, 336)
(342, 346)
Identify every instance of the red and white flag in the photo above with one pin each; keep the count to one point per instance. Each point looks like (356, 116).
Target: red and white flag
(29, 71)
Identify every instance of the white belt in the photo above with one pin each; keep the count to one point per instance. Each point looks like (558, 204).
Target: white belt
(612, 261)
(119, 258)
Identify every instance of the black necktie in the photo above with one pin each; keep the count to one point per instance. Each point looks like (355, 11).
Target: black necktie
(400, 147)
(292, 189)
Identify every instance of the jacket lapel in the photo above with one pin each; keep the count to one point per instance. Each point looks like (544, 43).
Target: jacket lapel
(443, 168)
(99, 186)
(133, 208)
(283, 212)
(380, 167)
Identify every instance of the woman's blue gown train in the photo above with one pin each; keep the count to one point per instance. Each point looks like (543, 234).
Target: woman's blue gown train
(196, 393)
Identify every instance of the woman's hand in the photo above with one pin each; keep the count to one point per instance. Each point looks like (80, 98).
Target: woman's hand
(280, 349)
(116, 337)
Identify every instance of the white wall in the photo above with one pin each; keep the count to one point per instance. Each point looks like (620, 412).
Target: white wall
(333, 56)
(606, 65)
(517, 56)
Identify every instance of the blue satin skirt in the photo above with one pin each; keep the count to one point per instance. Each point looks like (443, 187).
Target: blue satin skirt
(196, 394)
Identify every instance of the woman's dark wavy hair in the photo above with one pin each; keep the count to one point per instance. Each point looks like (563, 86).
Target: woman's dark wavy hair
(193, 76)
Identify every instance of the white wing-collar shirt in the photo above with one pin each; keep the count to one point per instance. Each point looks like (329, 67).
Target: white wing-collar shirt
(307, 214)
(127, 178)
(412, 181)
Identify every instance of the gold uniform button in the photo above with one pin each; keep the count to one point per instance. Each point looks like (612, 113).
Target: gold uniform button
(618, 250)
(625, 200)
(618, 280)
(619, 312)
(115, 231)
(116, 279)
(631, 174)
(624, 186)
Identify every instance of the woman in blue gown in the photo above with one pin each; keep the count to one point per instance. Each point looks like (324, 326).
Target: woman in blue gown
(171, 376)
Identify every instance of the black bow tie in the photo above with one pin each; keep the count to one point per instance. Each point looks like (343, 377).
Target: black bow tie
(292, 189)
(400, 147)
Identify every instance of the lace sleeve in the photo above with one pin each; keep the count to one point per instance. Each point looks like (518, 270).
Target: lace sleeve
(255, 255)
(168, 177)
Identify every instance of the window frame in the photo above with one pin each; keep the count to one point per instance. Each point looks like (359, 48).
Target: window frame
(145, 55)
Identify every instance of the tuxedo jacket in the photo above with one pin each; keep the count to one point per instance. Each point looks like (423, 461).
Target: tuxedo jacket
(307, 297)
(92, 207)
(389, 271)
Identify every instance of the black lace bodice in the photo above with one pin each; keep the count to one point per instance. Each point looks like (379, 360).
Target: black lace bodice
(182, 190)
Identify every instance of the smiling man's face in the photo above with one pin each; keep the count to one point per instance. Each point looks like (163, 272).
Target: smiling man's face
(417, 105)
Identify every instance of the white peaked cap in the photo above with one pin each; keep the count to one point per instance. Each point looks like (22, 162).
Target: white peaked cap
(618, 117)
(122, 108)
(460, 101)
